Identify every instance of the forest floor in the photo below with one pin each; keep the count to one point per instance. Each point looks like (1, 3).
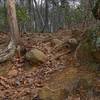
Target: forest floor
(46, 81)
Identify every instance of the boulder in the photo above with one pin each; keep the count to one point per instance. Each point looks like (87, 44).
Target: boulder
(36, 56)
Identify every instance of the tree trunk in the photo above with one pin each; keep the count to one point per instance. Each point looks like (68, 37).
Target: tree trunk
(46, 27)
(30, 14)
(39, 13)
(9, 51)
(13, 21)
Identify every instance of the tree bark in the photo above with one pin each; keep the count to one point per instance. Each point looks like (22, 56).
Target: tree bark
(9, 51)
(46, 27)
(39, 13)
(14, 31)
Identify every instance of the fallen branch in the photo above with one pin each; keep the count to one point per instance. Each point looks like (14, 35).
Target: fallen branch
(60, 55)
(69, 43)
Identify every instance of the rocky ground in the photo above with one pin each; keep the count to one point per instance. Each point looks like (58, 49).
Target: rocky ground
(52, 79)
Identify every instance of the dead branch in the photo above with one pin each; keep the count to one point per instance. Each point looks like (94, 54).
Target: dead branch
(60, 55)
(69, 43)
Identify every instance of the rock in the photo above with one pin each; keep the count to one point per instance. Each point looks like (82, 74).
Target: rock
(49, 94)
(36, 56)
(73, 41)
(56, 42)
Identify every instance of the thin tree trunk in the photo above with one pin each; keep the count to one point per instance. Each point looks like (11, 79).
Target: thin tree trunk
(30, 14)
(46, 28)
(39, 13)
(14, 31)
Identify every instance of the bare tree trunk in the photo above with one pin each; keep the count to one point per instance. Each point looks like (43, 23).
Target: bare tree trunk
(30, 14)
(13, 21)
(9, 51)
(46, 27)
(39, 13)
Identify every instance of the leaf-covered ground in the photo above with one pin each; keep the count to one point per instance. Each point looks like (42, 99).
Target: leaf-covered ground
(25, 82)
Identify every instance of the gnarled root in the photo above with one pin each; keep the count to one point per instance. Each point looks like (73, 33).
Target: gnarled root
(8, 52)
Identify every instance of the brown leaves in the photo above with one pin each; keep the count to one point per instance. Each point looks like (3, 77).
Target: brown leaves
(18, 61)
(22, 84)
(4, 82)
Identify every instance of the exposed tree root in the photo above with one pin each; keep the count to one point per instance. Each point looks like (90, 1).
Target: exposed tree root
(8, 52)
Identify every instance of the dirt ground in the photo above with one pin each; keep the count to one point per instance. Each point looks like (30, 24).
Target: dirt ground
(24, 83)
